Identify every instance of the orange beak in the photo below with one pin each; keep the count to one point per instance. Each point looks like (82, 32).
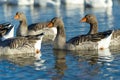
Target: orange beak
(83, 20)
(16, 17)
(50, 25)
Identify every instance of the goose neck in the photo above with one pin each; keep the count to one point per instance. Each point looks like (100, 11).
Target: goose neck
(61, 31)
(23, 22)
(93, 28)
(60, 40)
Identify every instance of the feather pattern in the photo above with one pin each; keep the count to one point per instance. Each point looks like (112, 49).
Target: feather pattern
(33, 29)
(6, 31)
(82, 42)
(92, 20)
(91, 37)
(20, 44)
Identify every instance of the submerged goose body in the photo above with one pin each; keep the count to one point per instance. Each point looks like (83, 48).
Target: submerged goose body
(81, 42)
(34, 29)
(98, 4)
(91, 19)
(18, 45)
(6, 31)
(44, 3)
(21, 2)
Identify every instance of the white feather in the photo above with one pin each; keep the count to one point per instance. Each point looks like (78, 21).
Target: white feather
(9, 35)
(54, 31)
(104, 43)
(38, 44)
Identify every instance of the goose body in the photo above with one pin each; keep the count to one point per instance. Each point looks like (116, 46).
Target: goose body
(76, 2)
(81, 42)
(6, 31)
(34, 29)
(44, 3)
(98, 4)
(19, 45)
(21, 2)
(90, 42)
(91, 19)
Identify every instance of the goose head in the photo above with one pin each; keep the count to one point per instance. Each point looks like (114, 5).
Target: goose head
(55, 22)
(20, 16)
(92, 20)
(89, 18)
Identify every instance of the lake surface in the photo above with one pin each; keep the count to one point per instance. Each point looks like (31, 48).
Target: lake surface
(59, 64)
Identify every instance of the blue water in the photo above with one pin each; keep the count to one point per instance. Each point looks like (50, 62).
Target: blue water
(62, 65)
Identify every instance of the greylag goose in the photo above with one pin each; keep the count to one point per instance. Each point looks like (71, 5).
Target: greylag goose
(18, 45)
(98, 4)
(91, 19)
(6, 31)
(81, 42)
(33, 29)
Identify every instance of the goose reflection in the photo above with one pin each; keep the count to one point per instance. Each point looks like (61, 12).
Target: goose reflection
(60, 64)
(25, 59)
(20, 59)
(93, 57)
(90, 62)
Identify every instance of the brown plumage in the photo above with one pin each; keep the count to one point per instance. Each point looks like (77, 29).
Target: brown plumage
(91, 37)
(81, 42)
(23, 44)
(92, 20)
(33, 29)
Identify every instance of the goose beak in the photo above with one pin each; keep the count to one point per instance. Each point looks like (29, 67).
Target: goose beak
(83, 20)
(50, 25)
(16, 17)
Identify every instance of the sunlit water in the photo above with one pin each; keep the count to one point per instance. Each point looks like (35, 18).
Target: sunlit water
(57, 64)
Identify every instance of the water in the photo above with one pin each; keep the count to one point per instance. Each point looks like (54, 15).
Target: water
(58, 64)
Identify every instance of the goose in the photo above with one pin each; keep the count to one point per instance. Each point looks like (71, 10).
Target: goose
(21, 2)
(98, 4)
(44, 3)
(6, 31)
(19, 45)
(34, 29)
(75, 2)
(80, 42)
(95, 55)
(92, 20)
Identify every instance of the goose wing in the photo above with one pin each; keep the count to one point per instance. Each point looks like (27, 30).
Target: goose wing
(5, 28)
(21, 41)
(25, 41)
(92, 37)
(37, 26)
